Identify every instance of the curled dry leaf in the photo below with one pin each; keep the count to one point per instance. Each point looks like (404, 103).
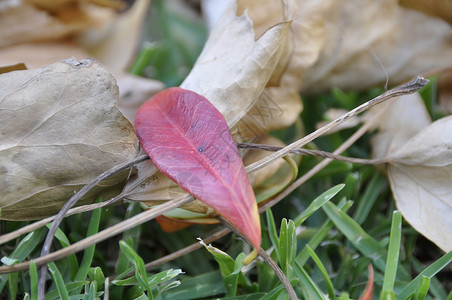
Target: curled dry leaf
(419, 173)
(60, 129)
(234, 67)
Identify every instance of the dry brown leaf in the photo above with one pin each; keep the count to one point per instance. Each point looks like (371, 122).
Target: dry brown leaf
(26, 23)
(367, 42)
(60, 129)
(405, 117)
(114, 42)
(420, 177)
(445, 90)
(438, 8)
(234, 68)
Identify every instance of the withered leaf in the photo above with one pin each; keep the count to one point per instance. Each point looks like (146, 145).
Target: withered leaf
(60, 128)
(420, 174)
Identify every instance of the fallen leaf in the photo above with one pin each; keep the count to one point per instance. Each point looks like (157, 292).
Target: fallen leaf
(115, 41)
(22, 21)
(134, 91)
(419, 173)
(234, 67)
(189, 141)
(60, 129)
(405, 117)
(368, 43)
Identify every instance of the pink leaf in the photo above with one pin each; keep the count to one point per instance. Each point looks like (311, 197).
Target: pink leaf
(188, 140)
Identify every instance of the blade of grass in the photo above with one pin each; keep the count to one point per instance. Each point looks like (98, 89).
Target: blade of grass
(272, 231)
(392, 260)
(310, 289)
(356, 235)
(318, 203)
(320, 235)
(59, 282)
(53, 295)
(71, 259)
(275, 293)
(365, 203)
(324, 272)
(33, 282)
(429, 272)
(137, 261)
(88, 254)
(422, 290)
(436, 288)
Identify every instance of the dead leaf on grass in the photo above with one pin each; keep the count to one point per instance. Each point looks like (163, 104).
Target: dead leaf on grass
(420, 173)
(404, 117)
(60, 129)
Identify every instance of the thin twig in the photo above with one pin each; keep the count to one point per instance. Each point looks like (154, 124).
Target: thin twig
(125, 225)
(68, 205)
(318, 153)
(282, 277)
(41, 223)
(404, 89)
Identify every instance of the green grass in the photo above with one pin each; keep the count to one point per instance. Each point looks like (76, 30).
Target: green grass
(323, 235)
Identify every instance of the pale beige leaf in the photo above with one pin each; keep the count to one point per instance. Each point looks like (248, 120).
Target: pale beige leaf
(368, 42)
(60, 129)
(420, 174)
(27, 23)
(150, 186)
(36, 55)
(114, 43)
(134, 91)
(403, 119)
(234, 67)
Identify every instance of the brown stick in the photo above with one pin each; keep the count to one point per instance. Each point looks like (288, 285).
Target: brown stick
(102, 235)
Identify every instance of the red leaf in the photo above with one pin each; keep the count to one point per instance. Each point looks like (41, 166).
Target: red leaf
(367, 293)
(188, 140)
